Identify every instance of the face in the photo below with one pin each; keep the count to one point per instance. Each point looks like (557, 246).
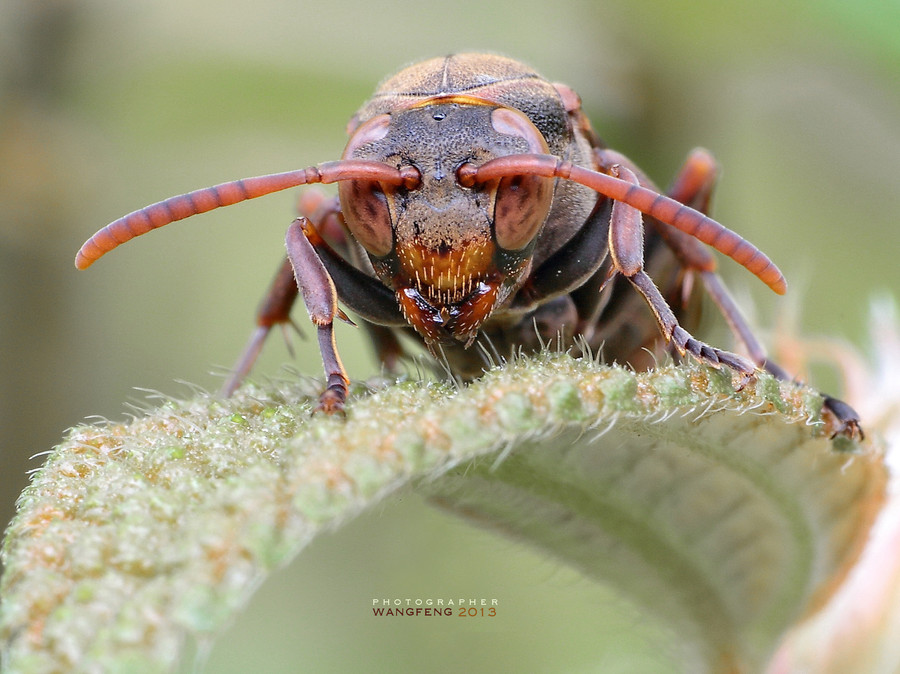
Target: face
(451, 254)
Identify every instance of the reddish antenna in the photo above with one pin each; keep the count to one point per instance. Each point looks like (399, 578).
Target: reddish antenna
(200, 201)
(647, 201)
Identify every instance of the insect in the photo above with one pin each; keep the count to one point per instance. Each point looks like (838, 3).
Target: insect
(479, 212)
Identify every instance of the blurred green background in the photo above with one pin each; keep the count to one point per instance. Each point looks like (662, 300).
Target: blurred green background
(107, 105)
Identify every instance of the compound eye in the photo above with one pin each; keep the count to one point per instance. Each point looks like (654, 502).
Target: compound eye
(511, 122)
(520, 208)
(366, 212)
(522, 201)
(364, 203)
(370, 131)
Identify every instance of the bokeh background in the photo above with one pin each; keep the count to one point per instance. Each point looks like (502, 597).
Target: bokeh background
(107, 105)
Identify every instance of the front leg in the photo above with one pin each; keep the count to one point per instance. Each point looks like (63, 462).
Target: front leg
(320, 297)
(693, 186)
(275, 307)
(626, 247)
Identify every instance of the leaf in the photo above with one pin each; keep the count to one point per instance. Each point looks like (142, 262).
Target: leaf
(727, 514)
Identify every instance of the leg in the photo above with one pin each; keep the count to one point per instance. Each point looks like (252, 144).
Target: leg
(626, 249)
(318, 263)
(301, 270)
(275, 308)
(320, 297)
(839, 417)
(681, 338)
(693, 186)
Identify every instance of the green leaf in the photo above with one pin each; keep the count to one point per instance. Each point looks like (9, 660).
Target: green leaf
(726, 514)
